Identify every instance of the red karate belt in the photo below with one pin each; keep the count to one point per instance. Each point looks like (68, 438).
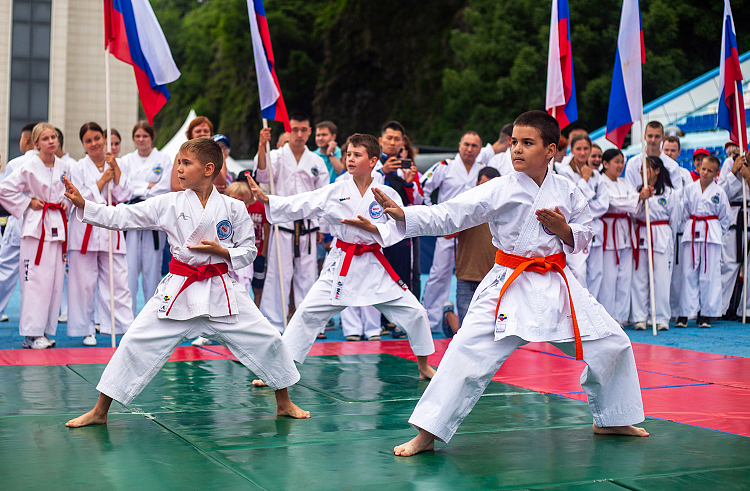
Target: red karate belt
(705, 220)
(638, 225)
(541, 265)
(194, 274)
(617, 216)
(87, 236)
(52, 206)
(351, 250)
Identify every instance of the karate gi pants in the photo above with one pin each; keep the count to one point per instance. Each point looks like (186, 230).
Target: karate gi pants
(9, 260)
(594, 271)
(41, 287)
(614, 292)
(577, 263)
(360, 321)
(144, 260)
(150, 341)
(317, 309)
(674, 291)
(701, 285)
(730, 268)
(439, 283)
(303, 269)
(610, 379)
(640, 300)
(85, 273)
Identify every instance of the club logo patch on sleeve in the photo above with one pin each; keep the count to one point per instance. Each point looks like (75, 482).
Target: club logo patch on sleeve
(715, 199)
(662, 201)
(376, 211)
(546, 230)
(157, 170)
(314, 171)
(224, 229)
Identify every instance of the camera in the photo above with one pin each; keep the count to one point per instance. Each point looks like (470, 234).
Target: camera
(406, 163)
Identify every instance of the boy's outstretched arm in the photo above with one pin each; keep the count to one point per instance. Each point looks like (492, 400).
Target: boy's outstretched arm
(72, 193)
(555, 222)
(389, 206)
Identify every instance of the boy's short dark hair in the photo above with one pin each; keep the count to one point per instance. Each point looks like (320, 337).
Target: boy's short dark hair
(546, 125)
(506, 130)
(656, 125)
(368, 141)
(472, 133)
(673, 139)
(329, 125)
(488, 172)
(28, 127)
(205, 150)
(300, 116)
(393, 125)
(714, 159)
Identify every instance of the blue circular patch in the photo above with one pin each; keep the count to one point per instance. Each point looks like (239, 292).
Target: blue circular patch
(715, 199)
(64, 174)
(314, 171)
(224, 229)
(662, 201)
(376, 211)
(546, 230)
(157, 170)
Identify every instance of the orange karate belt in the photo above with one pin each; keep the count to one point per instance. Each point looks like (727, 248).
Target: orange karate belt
(541, 265)
(87, 236)
(351, 250)
(617, 216)
(40, 247)
(638, 225)
(704, 219)
(200, 273)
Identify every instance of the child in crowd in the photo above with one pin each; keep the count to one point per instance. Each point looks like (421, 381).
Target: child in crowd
(665, 211)
(536, 217)
(209, 233)
(706, 218)
(35, 192)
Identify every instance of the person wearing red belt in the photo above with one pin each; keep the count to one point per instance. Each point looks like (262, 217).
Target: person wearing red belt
(665, 212)
(208, 233)
(355, 273)
(536, 218)
(706, 219)
(35, 191)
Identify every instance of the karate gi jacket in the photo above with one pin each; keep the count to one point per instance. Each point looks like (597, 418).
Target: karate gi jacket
(666, 206)
(595, 192)
(157, 168)
(450, 177)
(712, 201)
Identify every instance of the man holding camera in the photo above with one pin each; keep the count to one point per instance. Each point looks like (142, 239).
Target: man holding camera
(449, 178)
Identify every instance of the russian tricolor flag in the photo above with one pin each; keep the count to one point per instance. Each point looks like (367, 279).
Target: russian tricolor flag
(134, 36)
(730, 84)
(271, 101)
(626, 96)
(561, 86)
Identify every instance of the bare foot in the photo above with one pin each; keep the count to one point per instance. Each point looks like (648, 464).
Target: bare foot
(292, 410)
(90, 418)
(426, 373)
(619, 430)
(259, 383)
(423, 442)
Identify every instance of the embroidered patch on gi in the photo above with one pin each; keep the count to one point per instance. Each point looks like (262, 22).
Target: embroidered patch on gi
(157, 170)
(715, 199)
(314, 171)
(502, 317)
(546, 230)
(163, 308)
(61, 177)
(662, 201)
(376, 211)
(166, 298)
(500, 324)
(344, 199)
(224, 229)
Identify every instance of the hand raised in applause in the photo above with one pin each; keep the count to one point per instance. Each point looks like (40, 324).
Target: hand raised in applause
(389, 206)
(361, 223)
(255, 189)
(72, 193)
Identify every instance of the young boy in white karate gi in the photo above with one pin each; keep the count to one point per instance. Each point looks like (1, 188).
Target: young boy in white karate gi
(355, 272)
(209, 233)
(536, 217)
(706, 218)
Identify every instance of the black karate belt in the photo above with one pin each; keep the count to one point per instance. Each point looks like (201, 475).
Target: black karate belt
(298, 231)
(739, 245)
(677, 249)
(155, 233)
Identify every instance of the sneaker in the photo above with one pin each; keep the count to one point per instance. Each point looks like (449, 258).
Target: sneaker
(704, 322)
(62, 319)
(4, 318)
(662, 327)
(398, 333)
(89, 340)
(200, 341)
(39, 342)
(681, 322)
(52, 342)
(354, 337)
(640, 326)
(447, 307)
(374, 338)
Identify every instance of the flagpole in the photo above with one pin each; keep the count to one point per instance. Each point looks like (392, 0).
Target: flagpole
(276, 229)
(740, 140)
(109, 201)
(649, 247)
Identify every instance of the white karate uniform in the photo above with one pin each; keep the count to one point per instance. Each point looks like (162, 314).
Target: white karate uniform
(41, 284)
(617, 251)
(686, 178)
(11, 242)
(89, 270)
(144, 257)
(486, 154)
(730, 267)
(700, 259)
(666, 207)
(634, 175)
(534, 308)
(587, 264)
(366, 283)
(361, 321)
(502, 162)
(450, 178)
(290, 178)
(217, 308)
